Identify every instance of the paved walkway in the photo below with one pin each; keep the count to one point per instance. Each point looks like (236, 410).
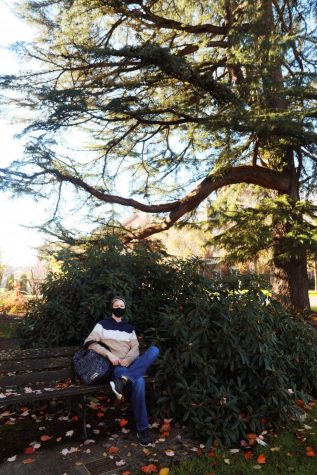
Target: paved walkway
(111, 455)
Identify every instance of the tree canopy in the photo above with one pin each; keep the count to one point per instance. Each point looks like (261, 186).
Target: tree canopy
(185, 98)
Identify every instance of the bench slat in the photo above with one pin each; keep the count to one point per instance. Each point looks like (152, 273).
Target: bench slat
(33, 364)
(36, 377)
(60, 393)
(33, 353)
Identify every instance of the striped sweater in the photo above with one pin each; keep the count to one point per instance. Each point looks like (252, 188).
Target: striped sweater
(119, 337)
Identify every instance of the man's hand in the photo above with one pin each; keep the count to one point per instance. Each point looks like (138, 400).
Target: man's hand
(124, 363)
(113, 359)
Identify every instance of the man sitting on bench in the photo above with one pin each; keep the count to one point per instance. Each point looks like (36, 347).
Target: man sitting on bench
(129, 367)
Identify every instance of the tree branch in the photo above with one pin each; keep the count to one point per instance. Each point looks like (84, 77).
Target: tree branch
(158, 21)
(174, 66)
(242, 174)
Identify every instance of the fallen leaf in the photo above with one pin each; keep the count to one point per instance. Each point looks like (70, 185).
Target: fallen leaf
(126, 473)
(165, 428)
(44, 438)
(58, 439)
(89, 441)
(261, 458)
(310, 452)
(260, 441)
(12, 459)
(35, 445)
(227, 461)
(234, 451)
(164, 471)
(248, 455)
(69, 451)
(299, 403)
(28, 461)
(170, 453)
(257, 467)
(275, 449)
(149, 468)
(123, 422)
(29, 450)
(113, 450)
(100, 414)
(120, 463)
(69, 433)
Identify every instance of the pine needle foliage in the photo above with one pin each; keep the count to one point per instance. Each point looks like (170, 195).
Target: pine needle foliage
(244, 231)
(178, 98)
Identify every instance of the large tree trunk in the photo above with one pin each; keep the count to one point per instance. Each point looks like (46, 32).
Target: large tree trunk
(290, 281)
(290, 278)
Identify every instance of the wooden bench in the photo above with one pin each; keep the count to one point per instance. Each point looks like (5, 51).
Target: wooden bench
(43, 374)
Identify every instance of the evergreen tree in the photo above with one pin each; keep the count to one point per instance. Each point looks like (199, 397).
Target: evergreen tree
(189, 96)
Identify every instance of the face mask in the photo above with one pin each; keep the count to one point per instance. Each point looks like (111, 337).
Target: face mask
(118, 312)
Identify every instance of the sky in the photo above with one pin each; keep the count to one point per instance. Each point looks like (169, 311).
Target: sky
(17, 244)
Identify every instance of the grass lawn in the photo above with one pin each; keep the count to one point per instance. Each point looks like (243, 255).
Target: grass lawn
(293, 451)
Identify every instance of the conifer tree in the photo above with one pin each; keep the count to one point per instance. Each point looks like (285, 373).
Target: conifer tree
(189, 96)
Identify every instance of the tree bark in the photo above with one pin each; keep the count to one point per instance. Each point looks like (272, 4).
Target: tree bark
(290, 278)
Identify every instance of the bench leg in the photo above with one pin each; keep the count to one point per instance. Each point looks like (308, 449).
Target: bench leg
(79, 404)
(83, 415)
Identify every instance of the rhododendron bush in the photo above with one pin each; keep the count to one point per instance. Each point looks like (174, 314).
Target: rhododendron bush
(233, 361)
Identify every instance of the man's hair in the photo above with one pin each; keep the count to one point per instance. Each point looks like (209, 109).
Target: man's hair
(118, 297)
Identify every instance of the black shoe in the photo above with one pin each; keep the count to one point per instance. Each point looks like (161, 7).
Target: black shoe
(144, 437)
(118, 386)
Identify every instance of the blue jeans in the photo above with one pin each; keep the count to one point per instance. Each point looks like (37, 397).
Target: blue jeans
(135, 374)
